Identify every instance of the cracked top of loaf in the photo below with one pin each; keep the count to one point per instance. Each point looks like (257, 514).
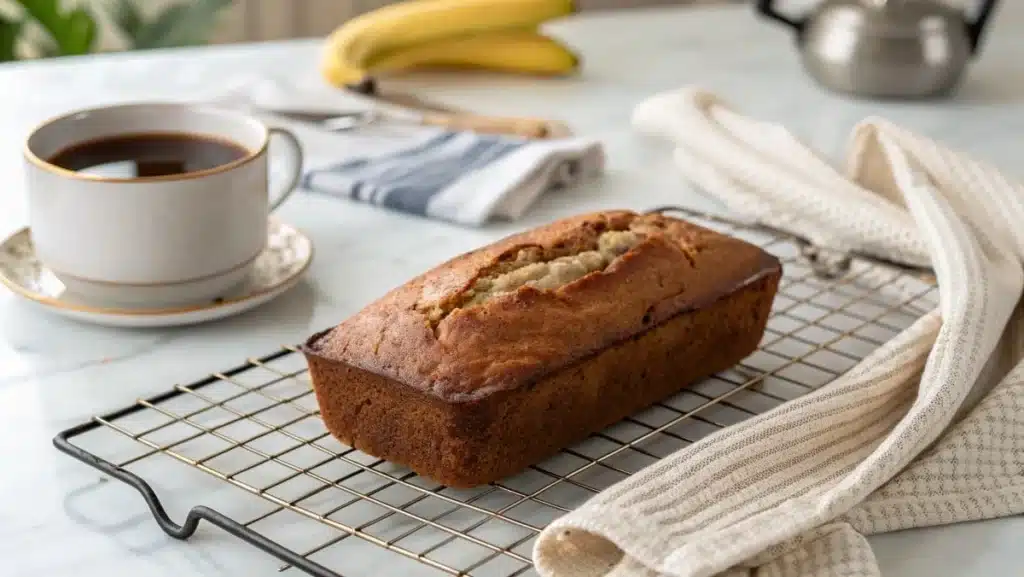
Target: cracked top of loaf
(515, 311)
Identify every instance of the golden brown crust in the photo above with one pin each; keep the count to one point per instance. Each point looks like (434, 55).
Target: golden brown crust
(515, 339)
(473, 443)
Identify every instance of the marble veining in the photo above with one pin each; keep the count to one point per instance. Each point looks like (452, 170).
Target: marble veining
(58, 517)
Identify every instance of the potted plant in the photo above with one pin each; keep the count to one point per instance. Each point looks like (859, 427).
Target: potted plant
(46, 28)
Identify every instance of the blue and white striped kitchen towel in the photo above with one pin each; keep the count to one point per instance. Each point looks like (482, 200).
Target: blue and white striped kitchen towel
(462, 177)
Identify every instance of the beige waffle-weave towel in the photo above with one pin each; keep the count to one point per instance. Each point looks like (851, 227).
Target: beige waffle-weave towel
(900, 440)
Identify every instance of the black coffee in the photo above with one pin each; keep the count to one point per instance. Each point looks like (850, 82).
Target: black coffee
(149, 154)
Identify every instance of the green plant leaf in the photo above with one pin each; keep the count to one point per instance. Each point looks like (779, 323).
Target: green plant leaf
(156, 32)
(126, 16)
(80, 32)
(73, 32)
(183, 24)
(9, 32)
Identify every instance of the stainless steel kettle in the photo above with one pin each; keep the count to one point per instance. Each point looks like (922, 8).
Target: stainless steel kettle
(886, 48)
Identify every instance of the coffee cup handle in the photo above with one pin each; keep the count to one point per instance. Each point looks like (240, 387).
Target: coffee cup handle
(294, 155)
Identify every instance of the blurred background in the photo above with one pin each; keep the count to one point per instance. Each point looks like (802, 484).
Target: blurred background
(46, 28)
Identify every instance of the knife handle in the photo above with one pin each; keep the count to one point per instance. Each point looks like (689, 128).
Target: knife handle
(525, 127)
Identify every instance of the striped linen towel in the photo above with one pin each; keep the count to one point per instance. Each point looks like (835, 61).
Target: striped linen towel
(462, 177)
(928, 430)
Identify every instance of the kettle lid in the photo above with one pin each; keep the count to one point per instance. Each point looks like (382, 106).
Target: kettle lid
(888, 17)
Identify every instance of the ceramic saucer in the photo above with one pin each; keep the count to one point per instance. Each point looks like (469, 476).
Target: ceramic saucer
(288, 254)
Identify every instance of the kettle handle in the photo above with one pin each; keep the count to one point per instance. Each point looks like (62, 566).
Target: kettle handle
(767, 8)
(976, 28)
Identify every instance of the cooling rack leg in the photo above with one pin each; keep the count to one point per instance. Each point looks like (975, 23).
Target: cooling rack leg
(188, 528)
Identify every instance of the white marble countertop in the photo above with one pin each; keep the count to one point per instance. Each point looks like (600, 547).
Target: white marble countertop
(57, 517)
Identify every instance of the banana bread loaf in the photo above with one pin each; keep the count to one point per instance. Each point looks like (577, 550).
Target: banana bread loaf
(502, 356)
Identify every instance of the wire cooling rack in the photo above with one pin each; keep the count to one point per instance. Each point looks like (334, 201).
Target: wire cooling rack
(256, 428)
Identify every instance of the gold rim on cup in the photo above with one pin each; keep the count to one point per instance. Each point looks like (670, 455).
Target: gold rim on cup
(49, 167)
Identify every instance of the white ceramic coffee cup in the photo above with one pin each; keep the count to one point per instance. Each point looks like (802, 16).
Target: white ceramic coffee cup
(160, 240)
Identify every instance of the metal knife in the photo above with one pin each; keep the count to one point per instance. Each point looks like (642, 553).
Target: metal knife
(410, 109)
(439, 115)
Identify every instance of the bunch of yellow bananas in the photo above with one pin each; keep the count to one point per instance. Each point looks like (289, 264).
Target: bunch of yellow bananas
(498, 35)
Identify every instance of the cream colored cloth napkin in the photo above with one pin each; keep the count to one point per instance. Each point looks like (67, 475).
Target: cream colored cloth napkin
(793, 492)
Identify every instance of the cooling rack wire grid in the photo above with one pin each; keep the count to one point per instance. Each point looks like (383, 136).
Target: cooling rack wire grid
(268, 473)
